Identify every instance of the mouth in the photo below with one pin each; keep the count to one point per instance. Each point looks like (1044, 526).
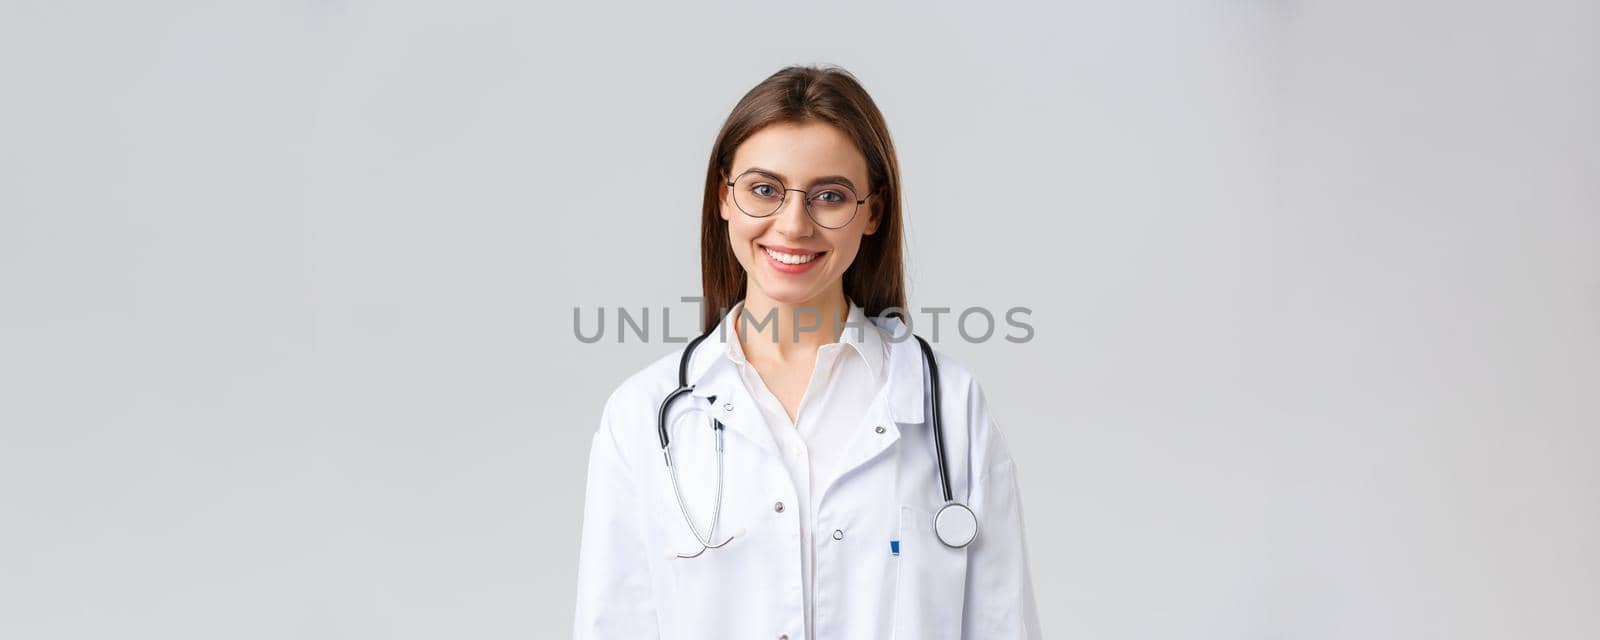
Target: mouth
(790, 259)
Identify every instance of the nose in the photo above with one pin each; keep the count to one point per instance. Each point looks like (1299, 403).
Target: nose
(792, 219)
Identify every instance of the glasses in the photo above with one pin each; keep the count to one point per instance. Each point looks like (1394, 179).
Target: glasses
(759, 194)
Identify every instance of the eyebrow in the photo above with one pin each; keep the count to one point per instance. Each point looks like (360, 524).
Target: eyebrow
(822, 180)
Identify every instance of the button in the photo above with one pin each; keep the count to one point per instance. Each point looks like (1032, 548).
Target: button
(838, 534)
(778, 507)
(727, 406)
(879, 429)
(783, 637)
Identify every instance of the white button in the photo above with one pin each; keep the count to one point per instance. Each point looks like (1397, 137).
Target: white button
(879, 429)
(838, 534)
(727, 407)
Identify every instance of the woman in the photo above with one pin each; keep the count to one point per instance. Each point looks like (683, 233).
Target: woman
(829, 476)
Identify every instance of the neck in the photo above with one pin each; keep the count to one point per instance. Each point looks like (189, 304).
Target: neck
(770, 330)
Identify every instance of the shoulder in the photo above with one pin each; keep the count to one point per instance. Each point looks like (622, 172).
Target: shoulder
(962, 393)
(953, 371)
(957, 380)
(628, 417)
(646, 386)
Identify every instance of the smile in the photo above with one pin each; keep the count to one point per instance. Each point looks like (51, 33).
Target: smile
(791, 258)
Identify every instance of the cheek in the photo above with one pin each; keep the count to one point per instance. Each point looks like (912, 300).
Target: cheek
(740, 230)
(845, 252)
(740, 235)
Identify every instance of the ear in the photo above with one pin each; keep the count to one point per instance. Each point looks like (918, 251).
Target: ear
(874, 216)
(722, 199)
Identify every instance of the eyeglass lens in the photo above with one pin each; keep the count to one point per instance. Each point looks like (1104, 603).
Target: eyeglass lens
(831, 205)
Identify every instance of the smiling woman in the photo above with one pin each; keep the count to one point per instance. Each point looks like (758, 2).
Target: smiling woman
(855, 484)
(816, 134)
(766, 244)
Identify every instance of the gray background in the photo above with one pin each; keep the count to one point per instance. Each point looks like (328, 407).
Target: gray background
(286, 296)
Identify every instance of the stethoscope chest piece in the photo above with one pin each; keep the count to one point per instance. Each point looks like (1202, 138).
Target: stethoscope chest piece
(955, 525)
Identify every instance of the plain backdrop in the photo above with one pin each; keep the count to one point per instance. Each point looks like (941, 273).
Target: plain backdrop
(287, 288)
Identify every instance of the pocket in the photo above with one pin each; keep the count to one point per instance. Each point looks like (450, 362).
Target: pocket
(931, 581)
(701, 591)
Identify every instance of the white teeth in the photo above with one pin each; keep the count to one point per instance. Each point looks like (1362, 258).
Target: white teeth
(789, 258)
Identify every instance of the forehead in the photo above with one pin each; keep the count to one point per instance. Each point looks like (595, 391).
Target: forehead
(802, 152)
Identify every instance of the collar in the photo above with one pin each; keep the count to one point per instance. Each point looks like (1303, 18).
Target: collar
(884, 342)
(859, 334)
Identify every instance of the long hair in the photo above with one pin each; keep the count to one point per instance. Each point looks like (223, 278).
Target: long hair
(798, 94)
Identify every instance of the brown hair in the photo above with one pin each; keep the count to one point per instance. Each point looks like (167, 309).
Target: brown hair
(876, 279)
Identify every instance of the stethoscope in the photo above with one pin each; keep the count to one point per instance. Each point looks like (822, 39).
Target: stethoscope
(954, 524)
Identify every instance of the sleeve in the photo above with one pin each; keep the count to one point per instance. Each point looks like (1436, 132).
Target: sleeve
(1000, 603)
(615, 598)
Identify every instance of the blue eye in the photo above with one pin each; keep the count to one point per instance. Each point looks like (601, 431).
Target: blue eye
(764, 190)
(830, 197)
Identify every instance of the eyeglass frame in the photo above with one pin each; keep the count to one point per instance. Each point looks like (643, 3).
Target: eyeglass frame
(805, 202)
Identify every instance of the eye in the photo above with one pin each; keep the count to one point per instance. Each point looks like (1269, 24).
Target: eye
(764, 190)
(829, 197)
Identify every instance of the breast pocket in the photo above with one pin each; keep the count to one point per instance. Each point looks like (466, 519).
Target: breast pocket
(931, 581)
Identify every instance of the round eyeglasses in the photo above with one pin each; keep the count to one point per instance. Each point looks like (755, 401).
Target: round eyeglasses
(831, 205)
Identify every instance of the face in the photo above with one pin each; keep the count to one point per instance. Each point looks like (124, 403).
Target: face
(788, 257)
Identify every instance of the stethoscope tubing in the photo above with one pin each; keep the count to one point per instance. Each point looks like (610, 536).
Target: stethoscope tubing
(930, 389)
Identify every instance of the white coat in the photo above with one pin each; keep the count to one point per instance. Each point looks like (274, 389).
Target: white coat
(630, 585)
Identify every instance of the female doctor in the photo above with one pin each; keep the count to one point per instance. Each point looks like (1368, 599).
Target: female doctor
(780, 478)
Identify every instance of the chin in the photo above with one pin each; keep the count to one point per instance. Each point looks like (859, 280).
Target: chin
(784, 293)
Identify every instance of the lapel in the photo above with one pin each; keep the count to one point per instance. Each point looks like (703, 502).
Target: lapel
(899, 403)
(714, 376)
(733, 405)
(904, 386)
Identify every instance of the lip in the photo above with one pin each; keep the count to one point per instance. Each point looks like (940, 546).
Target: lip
(789, 268)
